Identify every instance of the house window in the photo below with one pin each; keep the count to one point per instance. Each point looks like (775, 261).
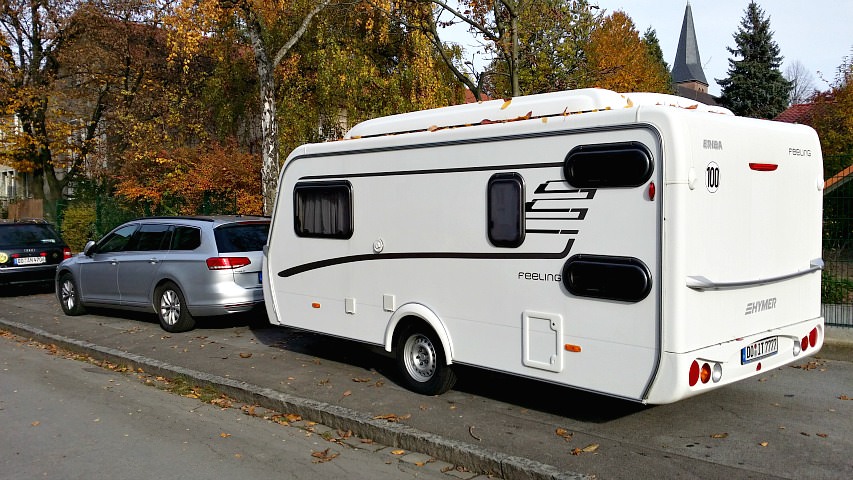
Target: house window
(506, 210)
(323, 209)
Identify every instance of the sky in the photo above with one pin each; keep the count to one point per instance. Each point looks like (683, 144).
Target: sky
(817, 33)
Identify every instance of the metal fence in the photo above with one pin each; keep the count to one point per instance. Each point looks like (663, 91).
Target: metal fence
(837, 285)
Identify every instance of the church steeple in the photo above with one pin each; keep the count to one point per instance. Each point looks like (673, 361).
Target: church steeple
(687, 69)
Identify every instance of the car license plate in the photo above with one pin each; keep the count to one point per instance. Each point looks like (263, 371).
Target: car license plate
(30, 260)
(758, 350)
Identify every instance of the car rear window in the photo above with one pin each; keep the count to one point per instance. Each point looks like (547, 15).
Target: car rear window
(28, 235)
(241, 237)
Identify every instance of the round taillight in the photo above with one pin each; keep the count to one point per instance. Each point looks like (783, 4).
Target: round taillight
(717, 374)
(694, 373)
(804, 343)
(813, 337)
(705, 374)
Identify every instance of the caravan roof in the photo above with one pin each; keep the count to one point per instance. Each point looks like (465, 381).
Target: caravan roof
(542, 106)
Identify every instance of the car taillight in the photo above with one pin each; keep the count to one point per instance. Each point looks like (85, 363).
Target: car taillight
(227, 263)
(66, 252)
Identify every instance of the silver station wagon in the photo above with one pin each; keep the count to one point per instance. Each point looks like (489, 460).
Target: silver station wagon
(177, 267)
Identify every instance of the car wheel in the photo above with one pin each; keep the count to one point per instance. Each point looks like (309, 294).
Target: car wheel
(69, 296)
(172, 309)
(420, 358)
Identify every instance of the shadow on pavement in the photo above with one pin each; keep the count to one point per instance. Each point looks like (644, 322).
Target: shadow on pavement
(26, 289)
(524, 393)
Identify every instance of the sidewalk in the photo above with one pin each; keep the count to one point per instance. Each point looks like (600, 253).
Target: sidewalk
(489, 423)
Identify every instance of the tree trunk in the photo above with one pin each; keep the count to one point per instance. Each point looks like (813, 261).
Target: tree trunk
(269, 121)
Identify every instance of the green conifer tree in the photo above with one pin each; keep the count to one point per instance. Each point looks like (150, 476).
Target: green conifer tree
(650, 38)
(755, 87)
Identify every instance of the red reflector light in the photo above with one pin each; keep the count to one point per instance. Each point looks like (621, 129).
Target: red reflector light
(227, 263)
(813, 337)
(43, 254)
(66, 252)
(804, 343)
(652, 191)
(763, 167)
(694, 373)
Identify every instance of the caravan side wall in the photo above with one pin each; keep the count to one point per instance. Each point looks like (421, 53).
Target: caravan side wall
(419, 245)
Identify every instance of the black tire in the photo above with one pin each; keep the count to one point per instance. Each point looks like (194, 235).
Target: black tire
(69, 296)
(420, 358)
(172, 309)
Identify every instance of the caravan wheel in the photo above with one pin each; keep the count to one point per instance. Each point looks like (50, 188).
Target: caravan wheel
(420, 359)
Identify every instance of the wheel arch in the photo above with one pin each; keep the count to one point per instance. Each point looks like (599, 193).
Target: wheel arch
(415, 313)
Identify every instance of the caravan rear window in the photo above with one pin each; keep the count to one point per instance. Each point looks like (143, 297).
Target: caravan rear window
(506, 210)
(323, 209)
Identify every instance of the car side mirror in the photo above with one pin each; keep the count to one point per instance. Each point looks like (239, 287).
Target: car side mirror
(88, 250)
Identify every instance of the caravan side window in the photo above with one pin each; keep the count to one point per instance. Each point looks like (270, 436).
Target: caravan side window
(627, 164)
(506, 210)
(323, 209)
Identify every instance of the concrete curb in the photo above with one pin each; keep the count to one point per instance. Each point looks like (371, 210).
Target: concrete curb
(398, 435)
(837, 344)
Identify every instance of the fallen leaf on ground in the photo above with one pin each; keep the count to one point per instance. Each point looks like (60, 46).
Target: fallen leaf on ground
(764, 444)
(564, 434)
(35, 424)
(720, 435)
(822, 435)
(360, 380)
(245, 355)
(224, 435)
(398, 452)
(391, 417)
(324, 456)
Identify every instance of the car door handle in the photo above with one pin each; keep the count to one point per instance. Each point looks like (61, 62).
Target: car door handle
(153, 261)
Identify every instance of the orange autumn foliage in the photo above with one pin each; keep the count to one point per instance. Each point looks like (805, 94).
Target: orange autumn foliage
(180, 180)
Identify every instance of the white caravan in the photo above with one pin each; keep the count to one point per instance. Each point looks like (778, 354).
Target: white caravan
(638, 245)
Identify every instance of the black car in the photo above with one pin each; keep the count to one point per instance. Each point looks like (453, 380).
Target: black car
(30, 251)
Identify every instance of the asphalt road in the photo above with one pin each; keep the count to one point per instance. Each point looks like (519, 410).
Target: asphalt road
(63, 419)
(786, 423)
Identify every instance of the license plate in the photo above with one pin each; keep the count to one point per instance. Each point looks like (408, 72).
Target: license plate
(30, 260)
(758, 350)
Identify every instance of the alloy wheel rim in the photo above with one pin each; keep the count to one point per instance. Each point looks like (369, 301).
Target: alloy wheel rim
(68, 294)
(420, 358)
(170, 307)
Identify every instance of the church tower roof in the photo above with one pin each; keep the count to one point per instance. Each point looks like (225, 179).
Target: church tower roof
(688, 65)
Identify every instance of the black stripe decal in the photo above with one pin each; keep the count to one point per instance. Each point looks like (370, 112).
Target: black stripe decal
(395, 256)
(486, 168)
(555, 231)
